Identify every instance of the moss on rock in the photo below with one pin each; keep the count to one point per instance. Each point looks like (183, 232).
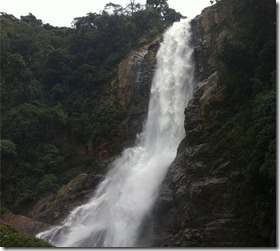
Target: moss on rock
(9, 237)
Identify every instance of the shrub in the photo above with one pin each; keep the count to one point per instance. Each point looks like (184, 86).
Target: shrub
(9, 237)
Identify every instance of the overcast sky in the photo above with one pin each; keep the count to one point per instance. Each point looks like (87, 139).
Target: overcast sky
(62, 12)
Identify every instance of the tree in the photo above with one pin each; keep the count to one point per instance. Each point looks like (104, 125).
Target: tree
(8, 147)
(18, 88)
(170, 15)
(115, 9)
(216, 1)
(31, 19)
(133, 7)
(159, 5)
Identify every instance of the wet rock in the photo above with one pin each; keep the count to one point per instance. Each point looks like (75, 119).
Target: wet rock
(53, 208)
(132, 89)
(23, 223)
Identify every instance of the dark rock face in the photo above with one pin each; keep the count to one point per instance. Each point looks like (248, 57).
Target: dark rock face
(209, 29)
(132, 88)
(54, 207)
(194, 207)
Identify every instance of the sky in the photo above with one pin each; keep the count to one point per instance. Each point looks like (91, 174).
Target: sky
(62, 12)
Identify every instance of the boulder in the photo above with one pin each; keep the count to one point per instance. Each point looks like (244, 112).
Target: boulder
(23, 223)
(53, 208)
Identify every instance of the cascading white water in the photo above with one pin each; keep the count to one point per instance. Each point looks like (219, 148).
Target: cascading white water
(114, 214)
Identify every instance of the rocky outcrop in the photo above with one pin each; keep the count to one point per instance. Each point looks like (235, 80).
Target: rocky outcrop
(54, 207)
(194, 208)
(134, 73)
(23, 223)
(209, 29)
(132, 89)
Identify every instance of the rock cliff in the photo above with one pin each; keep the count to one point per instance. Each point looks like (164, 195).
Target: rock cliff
(132, 89)
(195, 203)
(198, 205)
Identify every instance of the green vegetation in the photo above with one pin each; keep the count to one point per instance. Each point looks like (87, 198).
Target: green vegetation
(54, 93)
(245, 125)
(9, 237)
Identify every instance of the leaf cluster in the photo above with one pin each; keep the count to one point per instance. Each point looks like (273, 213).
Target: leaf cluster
(9, 237)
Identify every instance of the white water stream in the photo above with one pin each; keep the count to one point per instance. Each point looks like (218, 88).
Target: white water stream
(112, 217)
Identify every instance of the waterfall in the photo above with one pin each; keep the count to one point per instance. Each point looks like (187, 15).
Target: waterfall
(112, 217)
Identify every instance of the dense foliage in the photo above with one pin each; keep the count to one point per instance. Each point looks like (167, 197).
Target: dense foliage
(9, 237)
(53, 92)
(245, 124)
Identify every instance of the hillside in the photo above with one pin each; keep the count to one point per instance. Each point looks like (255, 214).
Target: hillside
(62, 104)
